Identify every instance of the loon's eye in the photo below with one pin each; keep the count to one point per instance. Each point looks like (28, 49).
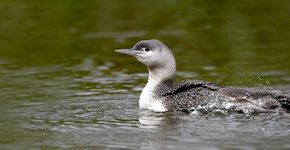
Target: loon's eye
(146, 49)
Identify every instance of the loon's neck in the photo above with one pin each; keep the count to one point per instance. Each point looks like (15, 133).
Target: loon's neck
(158, 81)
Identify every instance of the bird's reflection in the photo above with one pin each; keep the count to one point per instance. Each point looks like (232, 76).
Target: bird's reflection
(151, 120)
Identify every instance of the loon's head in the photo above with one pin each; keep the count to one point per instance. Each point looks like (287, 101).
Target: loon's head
(154, 54)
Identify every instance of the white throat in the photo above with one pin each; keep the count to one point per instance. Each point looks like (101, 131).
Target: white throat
(147, 98)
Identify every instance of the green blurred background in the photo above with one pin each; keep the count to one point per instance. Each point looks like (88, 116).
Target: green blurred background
(238, 39)
(53, 52)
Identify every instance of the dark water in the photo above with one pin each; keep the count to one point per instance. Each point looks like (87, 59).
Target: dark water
(63, 87)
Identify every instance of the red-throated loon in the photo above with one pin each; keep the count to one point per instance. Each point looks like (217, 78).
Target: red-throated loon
(160, 94)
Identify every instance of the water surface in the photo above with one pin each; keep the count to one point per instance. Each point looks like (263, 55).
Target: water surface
(63, 87)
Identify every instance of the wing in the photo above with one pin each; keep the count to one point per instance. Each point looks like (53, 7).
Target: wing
(257, 99)
(190, 94)
(196, 94)
(190, 84)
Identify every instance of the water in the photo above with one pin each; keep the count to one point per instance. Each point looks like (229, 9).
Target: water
(62, 86)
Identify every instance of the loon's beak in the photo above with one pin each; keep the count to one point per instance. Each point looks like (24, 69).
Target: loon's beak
(131, 52)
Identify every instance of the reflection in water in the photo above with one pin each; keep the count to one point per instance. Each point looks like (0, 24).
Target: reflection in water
(152, 120)
(63, 87)
(96, 108)
(87, 105)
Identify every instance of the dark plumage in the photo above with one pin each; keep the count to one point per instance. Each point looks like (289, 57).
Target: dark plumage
(193, 94)
(161, 95)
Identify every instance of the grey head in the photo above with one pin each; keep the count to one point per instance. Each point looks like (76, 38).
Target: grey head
(154, 54)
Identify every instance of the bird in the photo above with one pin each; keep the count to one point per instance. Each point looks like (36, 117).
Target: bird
(161, 94)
